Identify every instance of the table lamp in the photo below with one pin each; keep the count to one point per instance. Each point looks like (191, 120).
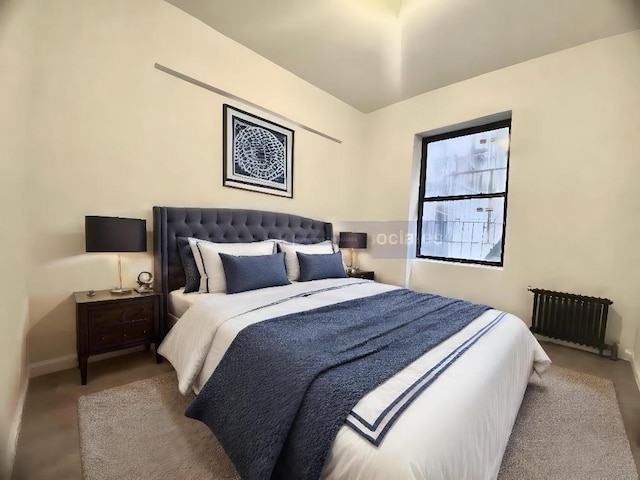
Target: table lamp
(352, 240)
(115, 235)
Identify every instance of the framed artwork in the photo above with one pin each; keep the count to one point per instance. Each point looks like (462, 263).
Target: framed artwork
(257, 154)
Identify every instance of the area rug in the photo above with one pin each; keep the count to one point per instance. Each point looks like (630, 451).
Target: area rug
(139, 432)
(569, 427)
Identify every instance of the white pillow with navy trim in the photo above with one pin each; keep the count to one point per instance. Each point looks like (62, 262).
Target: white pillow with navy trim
(291, 258)
(212, 279)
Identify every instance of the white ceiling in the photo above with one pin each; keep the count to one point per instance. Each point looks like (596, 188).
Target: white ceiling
(372, 53)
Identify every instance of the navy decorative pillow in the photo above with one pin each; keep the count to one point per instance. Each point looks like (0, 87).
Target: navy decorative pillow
(192, 276)
(317, 267)
(244, 273)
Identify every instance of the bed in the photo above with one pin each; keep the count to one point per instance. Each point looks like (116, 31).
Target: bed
(458, 418)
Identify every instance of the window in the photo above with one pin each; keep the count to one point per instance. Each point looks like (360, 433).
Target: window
(463, 194)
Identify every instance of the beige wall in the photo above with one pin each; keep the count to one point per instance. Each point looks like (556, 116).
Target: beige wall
(574, 202)
(15, 55)
(115, 136)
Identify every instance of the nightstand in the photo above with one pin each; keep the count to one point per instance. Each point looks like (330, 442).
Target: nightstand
(368, 275)
(106, 322)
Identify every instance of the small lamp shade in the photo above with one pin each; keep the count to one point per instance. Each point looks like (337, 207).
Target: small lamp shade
(352, 240)
(115, 234)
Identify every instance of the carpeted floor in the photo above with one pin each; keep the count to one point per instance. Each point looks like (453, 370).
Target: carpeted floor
(569, 427)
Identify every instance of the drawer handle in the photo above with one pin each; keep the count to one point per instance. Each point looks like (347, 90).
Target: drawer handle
(144, 331)
(101, 338)
(124, 335)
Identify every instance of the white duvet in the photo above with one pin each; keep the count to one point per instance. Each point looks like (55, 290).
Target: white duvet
(457, 428)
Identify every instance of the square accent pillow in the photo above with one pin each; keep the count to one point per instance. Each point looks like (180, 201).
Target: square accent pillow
(319, 267)
(251, 273)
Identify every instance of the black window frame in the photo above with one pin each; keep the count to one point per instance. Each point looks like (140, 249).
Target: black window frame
(485, 127)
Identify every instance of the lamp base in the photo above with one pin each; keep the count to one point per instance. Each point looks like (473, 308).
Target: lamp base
(120, 291)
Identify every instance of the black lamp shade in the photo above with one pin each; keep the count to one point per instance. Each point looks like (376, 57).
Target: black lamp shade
(352, 240)
(115, 234)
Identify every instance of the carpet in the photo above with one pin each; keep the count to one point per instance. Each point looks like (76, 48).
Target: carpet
(569, 427)
(139, 431)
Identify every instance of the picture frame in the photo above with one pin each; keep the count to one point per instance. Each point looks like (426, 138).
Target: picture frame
(257, 153)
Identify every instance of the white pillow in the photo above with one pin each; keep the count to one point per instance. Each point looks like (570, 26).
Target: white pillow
(212, 279)
(291, 259)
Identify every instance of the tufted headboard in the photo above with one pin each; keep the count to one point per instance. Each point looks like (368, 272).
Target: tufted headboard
(221, 225)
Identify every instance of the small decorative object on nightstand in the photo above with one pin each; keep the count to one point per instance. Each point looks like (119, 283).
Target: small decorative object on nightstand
(105, 323)
(145, 280)
(352, 240)
(368, 275)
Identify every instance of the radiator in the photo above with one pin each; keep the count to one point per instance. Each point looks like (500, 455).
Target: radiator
(573, 318)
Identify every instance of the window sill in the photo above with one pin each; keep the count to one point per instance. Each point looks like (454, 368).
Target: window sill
(458, 264)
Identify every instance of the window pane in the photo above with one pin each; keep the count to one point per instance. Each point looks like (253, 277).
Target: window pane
(468, 165)
(463, 229)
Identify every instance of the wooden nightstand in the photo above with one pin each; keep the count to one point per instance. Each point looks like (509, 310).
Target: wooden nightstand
(106, 322)
(368, 275)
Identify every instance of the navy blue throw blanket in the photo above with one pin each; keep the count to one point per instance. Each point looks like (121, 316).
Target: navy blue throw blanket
(286, 385)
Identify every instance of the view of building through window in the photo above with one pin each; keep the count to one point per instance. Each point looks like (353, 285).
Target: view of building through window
(463, 186)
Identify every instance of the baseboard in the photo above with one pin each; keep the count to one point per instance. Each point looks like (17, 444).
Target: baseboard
(37, 369)
(14, 431)
(577, 346)
(634, 366)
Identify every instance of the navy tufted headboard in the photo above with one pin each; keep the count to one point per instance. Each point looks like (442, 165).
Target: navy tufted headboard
(221, 225)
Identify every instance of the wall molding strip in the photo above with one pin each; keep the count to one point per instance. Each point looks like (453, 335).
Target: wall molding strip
(45, 367)
(231, 96)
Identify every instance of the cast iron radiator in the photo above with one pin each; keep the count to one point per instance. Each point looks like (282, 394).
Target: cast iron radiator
(572, 318)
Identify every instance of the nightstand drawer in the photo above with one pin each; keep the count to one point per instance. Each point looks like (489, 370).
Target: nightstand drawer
(101, 315)
(118, 334)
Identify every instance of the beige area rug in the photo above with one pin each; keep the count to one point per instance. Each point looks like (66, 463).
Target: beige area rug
(139, 431)
(569, 427)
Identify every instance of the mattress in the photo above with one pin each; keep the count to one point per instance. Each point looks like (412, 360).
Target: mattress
(179, 302)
